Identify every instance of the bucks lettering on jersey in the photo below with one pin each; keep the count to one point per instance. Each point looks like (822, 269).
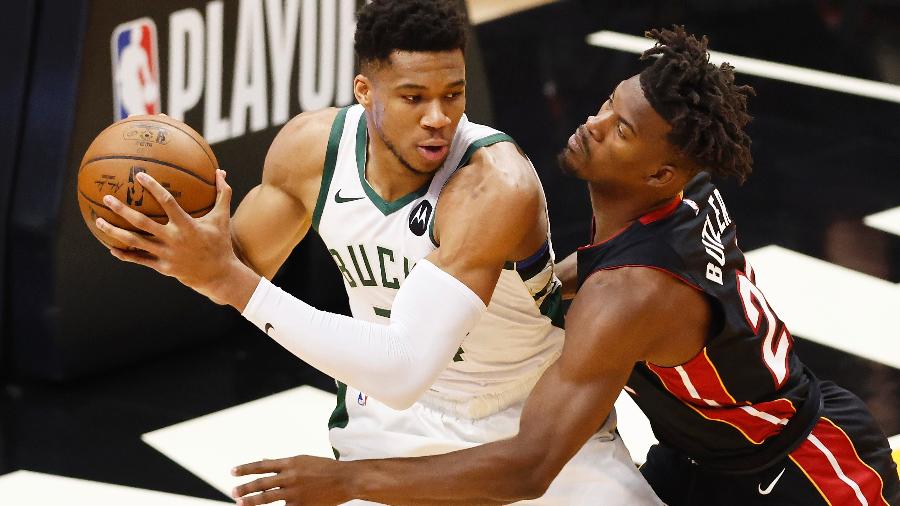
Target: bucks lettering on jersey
(375, 244)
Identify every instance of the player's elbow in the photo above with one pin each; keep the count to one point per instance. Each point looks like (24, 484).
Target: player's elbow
(397, 401)
(402, 395)
(535, 484)
(522, 486)
(526, 475)
(406, 382)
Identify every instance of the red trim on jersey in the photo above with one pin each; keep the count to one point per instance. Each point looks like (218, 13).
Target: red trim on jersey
(756, 422)
(663, 212)
(813, 460)
(758, 427)
(604, 241)
(652, 216)
(703, 378)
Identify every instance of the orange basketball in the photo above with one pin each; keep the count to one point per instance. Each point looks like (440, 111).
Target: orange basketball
(167, 149)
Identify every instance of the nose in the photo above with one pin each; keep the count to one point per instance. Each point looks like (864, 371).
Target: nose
(435, 118)
(598, 124)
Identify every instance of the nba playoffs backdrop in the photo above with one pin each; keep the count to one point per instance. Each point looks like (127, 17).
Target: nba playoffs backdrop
(235, 71)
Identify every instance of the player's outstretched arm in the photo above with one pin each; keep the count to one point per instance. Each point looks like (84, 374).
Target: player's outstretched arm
(618, 318)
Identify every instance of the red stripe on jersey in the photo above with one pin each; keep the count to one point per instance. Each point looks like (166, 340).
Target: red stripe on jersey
(672, 382)
(697, 382)
(756, 422)
(663, 212)
(829, 460)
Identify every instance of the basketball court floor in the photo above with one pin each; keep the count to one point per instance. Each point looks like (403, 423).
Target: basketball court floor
(819, 218)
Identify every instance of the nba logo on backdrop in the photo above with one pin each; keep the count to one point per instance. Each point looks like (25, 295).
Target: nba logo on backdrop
(135, 69)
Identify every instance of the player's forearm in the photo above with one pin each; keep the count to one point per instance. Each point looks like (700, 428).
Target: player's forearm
(495, 473)
(431, 315)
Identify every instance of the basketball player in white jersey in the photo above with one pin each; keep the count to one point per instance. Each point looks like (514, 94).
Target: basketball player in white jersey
(440, 230)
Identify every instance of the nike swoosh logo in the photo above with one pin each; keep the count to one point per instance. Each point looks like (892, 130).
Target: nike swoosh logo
(268, 326)
(765, 491)
(341, 200)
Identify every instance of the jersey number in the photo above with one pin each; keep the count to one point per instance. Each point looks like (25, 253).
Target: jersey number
(756, 308)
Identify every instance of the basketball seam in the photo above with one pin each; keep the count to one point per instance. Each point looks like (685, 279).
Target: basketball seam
(144, 159)
(176, 127)
(92, 201)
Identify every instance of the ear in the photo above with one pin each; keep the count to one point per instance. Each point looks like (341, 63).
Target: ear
(663, 176)
(362, 89)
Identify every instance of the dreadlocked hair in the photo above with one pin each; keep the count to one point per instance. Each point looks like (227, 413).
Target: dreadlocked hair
(706, 109)
(384, 26)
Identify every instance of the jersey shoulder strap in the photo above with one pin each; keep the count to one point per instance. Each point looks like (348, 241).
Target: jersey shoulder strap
(331, 156)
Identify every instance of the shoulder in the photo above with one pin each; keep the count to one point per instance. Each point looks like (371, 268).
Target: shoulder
(499, 175)
(635, 287)
(647, 305)
(299, 148)
(490, 208)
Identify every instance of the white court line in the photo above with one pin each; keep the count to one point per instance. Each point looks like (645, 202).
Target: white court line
(294, 422)
(888, 221)
(634, 427)
(894, 442)
(29, 488)
(831, 305)
(763, 68)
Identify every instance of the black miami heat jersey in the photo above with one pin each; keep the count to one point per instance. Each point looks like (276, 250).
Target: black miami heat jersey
(744, 387)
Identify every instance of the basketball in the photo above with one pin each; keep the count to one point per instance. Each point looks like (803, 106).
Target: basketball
(171, 152)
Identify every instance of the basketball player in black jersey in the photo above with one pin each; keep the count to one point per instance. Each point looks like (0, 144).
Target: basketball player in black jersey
(668, 308)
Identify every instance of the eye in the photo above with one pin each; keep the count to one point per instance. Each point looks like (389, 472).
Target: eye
(453, 95)
(620, 129)
(412, 99)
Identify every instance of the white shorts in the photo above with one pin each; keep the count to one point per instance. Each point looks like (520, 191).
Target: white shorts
(602, 472)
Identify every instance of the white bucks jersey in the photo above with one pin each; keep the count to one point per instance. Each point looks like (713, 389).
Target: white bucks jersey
(376, 243)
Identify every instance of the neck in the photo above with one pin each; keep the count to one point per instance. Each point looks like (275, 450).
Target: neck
(614, 212)
(387, 174)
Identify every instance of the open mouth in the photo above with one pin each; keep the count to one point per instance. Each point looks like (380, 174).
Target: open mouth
(433, 153)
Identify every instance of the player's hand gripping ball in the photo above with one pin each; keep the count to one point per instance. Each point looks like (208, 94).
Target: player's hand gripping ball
(167, 149)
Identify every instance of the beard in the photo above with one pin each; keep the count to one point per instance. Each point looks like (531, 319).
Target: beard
(566, 166)
(565, 158)
(393, 149)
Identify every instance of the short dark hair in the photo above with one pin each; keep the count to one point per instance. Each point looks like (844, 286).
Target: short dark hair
(384, 26)
(706, 109)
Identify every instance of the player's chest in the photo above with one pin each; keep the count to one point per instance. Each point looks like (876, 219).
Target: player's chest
(374, 249)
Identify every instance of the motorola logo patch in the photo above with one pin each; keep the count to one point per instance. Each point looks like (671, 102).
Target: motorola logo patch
(419, 217)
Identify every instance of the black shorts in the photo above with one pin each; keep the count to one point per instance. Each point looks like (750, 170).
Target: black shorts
(845, 460)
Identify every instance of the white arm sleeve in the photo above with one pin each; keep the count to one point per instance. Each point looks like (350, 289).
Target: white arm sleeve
(395, 363)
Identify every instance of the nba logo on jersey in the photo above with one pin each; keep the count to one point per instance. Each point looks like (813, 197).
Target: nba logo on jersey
(135, 69)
